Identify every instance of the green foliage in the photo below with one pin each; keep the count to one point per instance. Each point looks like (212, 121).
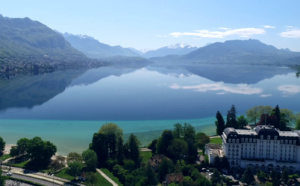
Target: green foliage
(242, 121)
(285, 176)
(248, 176)
(262, 176)
(216, 177)
(2, 145)
(164, 142)
(201, 140)
(75, 168)
(152, 146)
(90, 159)
(178, 130)
(253, 114)
(178, 149)
(151, 178)
(166, 167)
(2, 178)
(39, 151)
(57, 164)
(189, 133)
(220, 123)
(74, 156)
(231, 118)
(99, 145)
(297, 121)
(133, 149)
(91, 178)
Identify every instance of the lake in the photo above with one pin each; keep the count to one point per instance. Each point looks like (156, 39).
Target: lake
(67, 107)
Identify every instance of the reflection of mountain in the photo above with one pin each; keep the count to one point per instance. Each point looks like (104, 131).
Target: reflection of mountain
(95, 75)
(234, 74)
(29, 91)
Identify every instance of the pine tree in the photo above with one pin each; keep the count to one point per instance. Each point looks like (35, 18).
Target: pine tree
(220, 124)
(231, 118)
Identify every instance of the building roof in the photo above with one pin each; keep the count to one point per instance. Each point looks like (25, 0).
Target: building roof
(288, 133)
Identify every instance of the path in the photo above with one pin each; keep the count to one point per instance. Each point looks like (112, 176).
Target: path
(107, 178)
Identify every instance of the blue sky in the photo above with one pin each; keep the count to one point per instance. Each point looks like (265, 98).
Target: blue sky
(150, 24)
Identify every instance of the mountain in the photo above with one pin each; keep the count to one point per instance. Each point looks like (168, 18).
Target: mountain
(177, 49)
(23, 40)
(233, 52)
(94, 49)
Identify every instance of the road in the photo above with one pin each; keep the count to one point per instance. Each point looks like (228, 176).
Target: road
(43, 182)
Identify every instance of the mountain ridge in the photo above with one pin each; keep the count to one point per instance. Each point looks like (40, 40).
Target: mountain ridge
(233, 52)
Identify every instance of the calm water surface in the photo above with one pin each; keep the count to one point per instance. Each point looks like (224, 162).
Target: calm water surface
(68, 107)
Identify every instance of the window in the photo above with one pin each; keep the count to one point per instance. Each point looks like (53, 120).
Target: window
(262, 137)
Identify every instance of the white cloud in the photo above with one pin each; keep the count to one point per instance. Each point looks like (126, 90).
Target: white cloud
(265, 95)
(289, 89)
(291, 33)
(224, 28)
(268, 26)
(241, 32)
(238, 89)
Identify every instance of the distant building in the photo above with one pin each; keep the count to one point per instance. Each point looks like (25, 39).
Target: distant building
(173, 178)
(263, 147)
(212, 151)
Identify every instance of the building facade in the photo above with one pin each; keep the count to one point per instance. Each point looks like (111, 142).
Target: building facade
(263, 147)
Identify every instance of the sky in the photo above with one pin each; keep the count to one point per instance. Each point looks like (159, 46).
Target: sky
(151, 24)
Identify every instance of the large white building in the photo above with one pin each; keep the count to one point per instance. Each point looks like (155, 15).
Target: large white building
(263, 147)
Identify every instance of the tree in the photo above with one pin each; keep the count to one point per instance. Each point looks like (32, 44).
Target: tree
(113, 134)
(189, 133)
(276, 117)
(99, 145)
(91, 178)
(285, 176)
(201, 140)
(2, 145)
(120, 151)
(90, 159)
(178, 149)
(40, 152)
(2, 178)
(192, 153)
(297, 121)
(178, 130)
(220, 124)
(216, 177)
(152, 146)
(133, 149)
(75, 168)
(242, 121)
(165, 167)
(231, 118)
(248, 176)
(74, 156)
(149, 174)
(164, 142)
(22, 146)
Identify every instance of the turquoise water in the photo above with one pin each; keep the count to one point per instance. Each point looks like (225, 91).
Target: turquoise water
(75, 136)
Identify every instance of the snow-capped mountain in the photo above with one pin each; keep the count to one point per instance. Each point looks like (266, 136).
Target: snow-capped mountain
(176, 49)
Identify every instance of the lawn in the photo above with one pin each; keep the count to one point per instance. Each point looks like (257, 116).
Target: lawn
(111, 176)
(216, 140)
(63, 174)
(102, 181)
(146, 155)
(4, 157)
